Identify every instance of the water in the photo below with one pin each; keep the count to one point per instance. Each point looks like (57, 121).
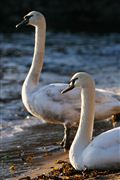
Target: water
(23, 135)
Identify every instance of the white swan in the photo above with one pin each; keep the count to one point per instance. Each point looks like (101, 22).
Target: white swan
(104, 151)
(46, 102)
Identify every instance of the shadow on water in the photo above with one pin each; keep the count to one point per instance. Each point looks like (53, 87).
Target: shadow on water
(27, 138)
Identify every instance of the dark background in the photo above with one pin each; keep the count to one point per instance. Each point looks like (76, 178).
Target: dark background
(65, 15)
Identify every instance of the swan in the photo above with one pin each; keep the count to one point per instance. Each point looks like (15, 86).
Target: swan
(46, 102)
(103, 152)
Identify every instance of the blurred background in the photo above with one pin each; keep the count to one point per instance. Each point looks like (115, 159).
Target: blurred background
(65, 15)
(82, 35)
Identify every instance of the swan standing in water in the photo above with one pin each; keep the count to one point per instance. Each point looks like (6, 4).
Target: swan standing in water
(46, 102)
(103, 152)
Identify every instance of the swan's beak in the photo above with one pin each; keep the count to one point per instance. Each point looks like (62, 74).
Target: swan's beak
(22, 23)
(70, 87)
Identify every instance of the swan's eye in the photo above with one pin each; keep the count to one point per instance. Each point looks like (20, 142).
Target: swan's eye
(72, 81)
(28, 17)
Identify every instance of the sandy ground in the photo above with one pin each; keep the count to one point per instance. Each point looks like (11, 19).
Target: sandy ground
(46, 164)
(50, 162)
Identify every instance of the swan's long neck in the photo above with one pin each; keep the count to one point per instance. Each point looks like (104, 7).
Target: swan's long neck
(32, 78)
(85, 129)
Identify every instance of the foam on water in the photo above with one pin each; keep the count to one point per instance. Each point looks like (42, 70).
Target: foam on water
(10, 128)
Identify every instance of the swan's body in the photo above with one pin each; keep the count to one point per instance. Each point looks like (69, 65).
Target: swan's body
(46, 102)
(103, 152)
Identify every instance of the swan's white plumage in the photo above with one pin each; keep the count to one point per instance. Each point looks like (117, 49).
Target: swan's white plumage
(103, 152)
(46, 102)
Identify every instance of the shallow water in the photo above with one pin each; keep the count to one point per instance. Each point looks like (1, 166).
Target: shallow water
(65, 54)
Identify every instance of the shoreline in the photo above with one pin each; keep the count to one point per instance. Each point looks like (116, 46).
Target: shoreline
(52, 164)
(47, 163)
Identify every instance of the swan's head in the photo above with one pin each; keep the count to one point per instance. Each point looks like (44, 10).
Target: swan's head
(33, 18)
(81, 80)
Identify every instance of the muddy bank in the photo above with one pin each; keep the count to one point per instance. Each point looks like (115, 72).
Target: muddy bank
(55, 165)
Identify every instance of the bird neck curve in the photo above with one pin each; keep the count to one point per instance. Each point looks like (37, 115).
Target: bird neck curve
(85, 129)
(33, 76)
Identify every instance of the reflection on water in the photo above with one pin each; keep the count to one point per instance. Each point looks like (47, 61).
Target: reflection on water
(65, 54)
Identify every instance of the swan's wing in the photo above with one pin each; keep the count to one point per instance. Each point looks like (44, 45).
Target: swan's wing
(56, 107)
(69, 97)
(53, 91)
(48, 102)
(104, 150)
(107, 139)
(53, 94)
(103, 96)
(106, 104)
